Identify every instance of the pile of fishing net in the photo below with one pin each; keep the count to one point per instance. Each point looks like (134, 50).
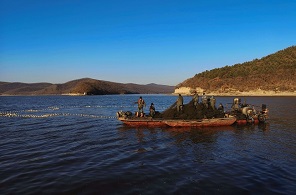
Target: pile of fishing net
(189, 111)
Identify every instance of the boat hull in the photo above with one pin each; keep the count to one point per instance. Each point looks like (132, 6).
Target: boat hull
(135, 122)
(215, 122)
(245, 121)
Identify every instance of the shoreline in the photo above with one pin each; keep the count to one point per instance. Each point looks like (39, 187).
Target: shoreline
(258, 92)
(235, 94)
(242, 95)
(246, 94)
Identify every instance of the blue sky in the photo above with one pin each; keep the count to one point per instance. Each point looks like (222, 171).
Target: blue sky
(134, 41)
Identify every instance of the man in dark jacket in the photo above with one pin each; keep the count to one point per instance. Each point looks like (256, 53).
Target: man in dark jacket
(179, 103)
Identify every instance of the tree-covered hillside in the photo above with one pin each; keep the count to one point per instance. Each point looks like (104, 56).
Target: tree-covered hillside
(274, 72)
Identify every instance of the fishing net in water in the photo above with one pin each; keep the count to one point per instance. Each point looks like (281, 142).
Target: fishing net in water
(189, 111)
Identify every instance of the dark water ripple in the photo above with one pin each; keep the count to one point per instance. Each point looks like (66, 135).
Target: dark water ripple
(74, 145)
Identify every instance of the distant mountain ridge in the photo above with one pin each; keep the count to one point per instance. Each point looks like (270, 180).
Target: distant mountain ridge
(82, 86)
(274, 73)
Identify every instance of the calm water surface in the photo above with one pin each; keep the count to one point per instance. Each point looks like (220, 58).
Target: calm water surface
(75, 145)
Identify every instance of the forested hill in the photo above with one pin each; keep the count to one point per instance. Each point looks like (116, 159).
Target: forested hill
(82, 86)
(275, 72)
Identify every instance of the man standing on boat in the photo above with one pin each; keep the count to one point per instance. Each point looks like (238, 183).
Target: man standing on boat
(195, 99)
(204, 100)
(141, 104)
(179, 103)
(213, 102)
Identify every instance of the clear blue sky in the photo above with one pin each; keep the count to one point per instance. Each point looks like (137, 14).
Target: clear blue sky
(137, 41)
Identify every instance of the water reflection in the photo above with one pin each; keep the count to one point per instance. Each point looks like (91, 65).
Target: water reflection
(264, 126)
(196, 135)
(189, 136)
(253, 127)
(141, 139)
(107, 157)
(179, 135)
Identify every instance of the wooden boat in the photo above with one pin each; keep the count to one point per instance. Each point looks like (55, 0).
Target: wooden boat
(247, 121)
(142, 121)
(247, 114)
(160, 122)
(128, 119)
(241, 114)
(215, 122)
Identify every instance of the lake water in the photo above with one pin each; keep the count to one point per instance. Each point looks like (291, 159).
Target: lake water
(75, 145)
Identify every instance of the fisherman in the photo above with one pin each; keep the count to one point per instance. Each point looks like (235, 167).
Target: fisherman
(236, 104)
(204, 100)
(180, 103)
(244, 104)
(141, 104)
(221, 108)
(152, 110)
(195, 99)
(213, 102)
